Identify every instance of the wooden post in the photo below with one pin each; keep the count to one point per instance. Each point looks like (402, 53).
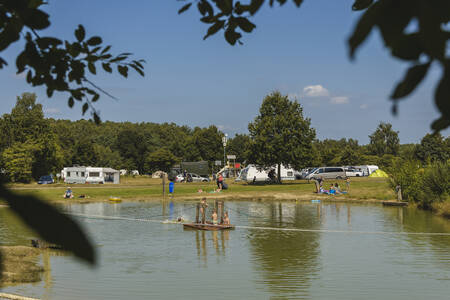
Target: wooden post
(164, 185)
(197, 213)
(222, 208)
(216, 206)
(203, 213)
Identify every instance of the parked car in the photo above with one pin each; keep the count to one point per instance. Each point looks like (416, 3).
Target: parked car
(327, 173)
(179, 178)
(353, 173)
(46, 179)
(192, 177)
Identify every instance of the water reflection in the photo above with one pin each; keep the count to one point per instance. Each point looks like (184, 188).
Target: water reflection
(214, 241)
(287, 261)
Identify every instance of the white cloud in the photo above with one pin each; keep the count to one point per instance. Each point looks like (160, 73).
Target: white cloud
(315, 91)
(339, 100)
(52, 111)
(364, 106)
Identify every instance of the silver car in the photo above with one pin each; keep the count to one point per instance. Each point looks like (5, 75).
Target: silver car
(192, 177)
(327, 173)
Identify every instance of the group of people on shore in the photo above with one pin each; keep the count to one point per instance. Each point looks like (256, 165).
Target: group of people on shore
(334, 188)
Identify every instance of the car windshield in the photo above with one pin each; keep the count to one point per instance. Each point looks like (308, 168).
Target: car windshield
(48, 177)
(313, 170)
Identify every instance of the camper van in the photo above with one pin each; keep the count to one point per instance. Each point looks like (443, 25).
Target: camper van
(255, 174)
(367, 169)
(327, 173)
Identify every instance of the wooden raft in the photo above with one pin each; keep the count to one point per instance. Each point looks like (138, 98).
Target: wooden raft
(203, 225)
(207, 226)
(395, 203)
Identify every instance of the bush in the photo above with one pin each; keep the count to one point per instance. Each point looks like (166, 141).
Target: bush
(407, 175)
(426, 186)
(436, 184)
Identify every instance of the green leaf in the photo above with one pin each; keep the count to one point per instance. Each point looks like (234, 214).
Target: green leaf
(245, 24)
(80, 33)
(255, 5)
(184, 8)
(361, 4)
(95, 97)
(51, 224)
(412, 79)
(36, 19)
(123, 70)
(232, 36)
(106, 49)
(363, 28)
(137, 70)
(106, 67)
(214, 28)
(91, 68)
(205, 8)
(70, 102)
(94, 41)
(96, 118)
(85, 107)
(119, 58)
(442, 98)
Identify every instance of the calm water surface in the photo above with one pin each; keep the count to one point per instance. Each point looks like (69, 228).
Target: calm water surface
(150, 260)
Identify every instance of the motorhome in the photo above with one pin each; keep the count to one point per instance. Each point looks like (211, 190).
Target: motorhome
(81, 174)
(253, 173)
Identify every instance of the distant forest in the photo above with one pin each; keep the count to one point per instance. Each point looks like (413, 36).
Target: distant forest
(32, 145)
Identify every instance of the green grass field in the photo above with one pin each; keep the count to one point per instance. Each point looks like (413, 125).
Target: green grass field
(143, 188)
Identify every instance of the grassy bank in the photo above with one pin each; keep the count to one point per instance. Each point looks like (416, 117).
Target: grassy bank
(20, 265)
(144, 188)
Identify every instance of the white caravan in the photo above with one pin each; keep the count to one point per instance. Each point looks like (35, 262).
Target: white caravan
(367, 169)
(254, 174)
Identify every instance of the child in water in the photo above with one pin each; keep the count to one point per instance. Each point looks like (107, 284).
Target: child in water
(214, 217)
(226, 219)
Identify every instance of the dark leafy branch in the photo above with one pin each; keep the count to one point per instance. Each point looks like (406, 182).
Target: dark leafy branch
(230, 16)
(59, 65)
(425, 44)
(50, 224)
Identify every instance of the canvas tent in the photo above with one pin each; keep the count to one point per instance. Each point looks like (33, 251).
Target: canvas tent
(378, 173)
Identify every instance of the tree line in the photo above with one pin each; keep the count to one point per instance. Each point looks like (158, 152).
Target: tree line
(32, 145)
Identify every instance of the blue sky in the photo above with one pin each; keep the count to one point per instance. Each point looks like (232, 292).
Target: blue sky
(189, 81)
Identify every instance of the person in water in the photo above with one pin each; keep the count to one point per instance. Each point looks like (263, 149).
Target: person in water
(68, 194)
(214, 217)
(226, 219)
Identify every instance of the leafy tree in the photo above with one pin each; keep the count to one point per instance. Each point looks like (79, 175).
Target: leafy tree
(280, 134)
(432, 148)
(238, 145)
(132, 148)
(350, 157)
(161, 160)
(105, 157)
(18, 160)
(208, 142)
(384, 140)
(427, 44)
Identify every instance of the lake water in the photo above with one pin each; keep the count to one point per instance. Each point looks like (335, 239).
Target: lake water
(352, 251)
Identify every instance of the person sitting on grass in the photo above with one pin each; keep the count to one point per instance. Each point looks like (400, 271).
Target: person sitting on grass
(68, 194)
(332, 191)
(336, 187)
